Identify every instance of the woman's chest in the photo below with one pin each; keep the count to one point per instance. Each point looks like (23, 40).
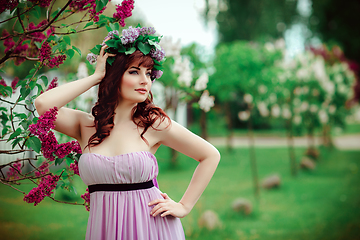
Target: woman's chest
(122, 139)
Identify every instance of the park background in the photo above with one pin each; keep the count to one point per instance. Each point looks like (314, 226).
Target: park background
(273, 85)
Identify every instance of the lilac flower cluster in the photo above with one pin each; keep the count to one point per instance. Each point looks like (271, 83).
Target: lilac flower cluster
(156, 74)
(86, 197)
(14, 171)
(130, 35)
(75, 168)
(8, 4)
(90, 5)
(124, 11)
(53, 84)
(147, 31)
(44, 189)
(91, 58)
(45, 56)
(158, 54)
(49, 145)
(43, 169)
(111, 34)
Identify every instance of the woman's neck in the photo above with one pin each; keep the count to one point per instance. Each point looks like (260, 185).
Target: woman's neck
(123, 112)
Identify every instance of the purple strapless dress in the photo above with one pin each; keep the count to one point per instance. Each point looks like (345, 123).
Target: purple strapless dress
(125, 215)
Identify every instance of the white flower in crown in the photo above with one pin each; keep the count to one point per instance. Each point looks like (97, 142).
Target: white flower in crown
(206, 102)
(202, 81)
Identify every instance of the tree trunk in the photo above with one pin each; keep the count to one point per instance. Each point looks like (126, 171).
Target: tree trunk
(290, 141)
(230, 136)
(253, 164)
(203, 125)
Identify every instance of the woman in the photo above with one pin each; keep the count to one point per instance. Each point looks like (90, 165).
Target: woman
(119, 140)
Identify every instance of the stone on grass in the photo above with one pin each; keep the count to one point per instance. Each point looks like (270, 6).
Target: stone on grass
(210, 220)
(242, 205)
(307, 163)
(272, 181)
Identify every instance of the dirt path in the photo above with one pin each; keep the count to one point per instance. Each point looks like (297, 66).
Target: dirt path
(346, 142)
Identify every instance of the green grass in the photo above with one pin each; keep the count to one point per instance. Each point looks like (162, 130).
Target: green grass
(320, 204)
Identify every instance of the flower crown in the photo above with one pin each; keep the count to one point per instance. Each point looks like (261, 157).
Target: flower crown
(132, 39)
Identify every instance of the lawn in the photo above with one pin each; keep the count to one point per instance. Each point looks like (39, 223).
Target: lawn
(321, 204)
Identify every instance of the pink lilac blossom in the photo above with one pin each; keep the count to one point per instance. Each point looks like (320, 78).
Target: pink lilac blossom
(56, 61)
(158, 54)
(86, 197)
(53, 84)
(9, 42)
(13, 83)
(75, 168)
(2, 82)
(45, 51)
(44, 189)
(14, 171)
(43, 169)
(8, 5)
(49, 145)
(124, 11)
(80, 6)
(37, 36)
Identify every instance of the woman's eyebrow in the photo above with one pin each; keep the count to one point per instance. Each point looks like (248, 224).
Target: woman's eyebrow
(135, 67)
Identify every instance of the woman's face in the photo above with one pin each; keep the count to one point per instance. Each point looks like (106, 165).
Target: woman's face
(136, 84)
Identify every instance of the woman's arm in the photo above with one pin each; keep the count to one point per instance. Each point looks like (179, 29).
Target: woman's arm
(184, 141)
(68, 120)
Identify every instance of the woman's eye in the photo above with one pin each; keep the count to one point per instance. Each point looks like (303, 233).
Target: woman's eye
(133, 72)
(148, 74)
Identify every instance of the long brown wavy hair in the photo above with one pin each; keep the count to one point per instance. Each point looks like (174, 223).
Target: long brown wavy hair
(144, 114)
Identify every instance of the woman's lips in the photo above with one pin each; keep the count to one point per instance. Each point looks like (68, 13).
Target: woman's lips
(141, 90)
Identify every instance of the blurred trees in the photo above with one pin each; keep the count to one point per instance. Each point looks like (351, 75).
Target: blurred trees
(251, 20)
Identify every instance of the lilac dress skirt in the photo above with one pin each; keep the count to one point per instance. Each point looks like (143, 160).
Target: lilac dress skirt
(125, 214)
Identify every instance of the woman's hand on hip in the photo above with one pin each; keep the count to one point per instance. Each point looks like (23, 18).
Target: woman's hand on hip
(167, 206)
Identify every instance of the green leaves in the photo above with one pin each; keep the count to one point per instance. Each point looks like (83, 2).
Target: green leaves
(34, 143)
(96, 50)
(100, 4)
(144, 48)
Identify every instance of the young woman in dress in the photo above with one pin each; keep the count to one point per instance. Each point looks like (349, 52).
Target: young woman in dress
(119, 139)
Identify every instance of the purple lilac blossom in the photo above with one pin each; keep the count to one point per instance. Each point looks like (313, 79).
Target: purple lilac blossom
(158, 54)
(91, 58)
(130, 35)
(147, 31)
(45, 188)
(156, 74)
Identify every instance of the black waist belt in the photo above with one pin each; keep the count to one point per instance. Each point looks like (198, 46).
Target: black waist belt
(120, 187)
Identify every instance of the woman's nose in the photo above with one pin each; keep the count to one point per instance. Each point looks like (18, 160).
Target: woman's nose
(144, 79)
